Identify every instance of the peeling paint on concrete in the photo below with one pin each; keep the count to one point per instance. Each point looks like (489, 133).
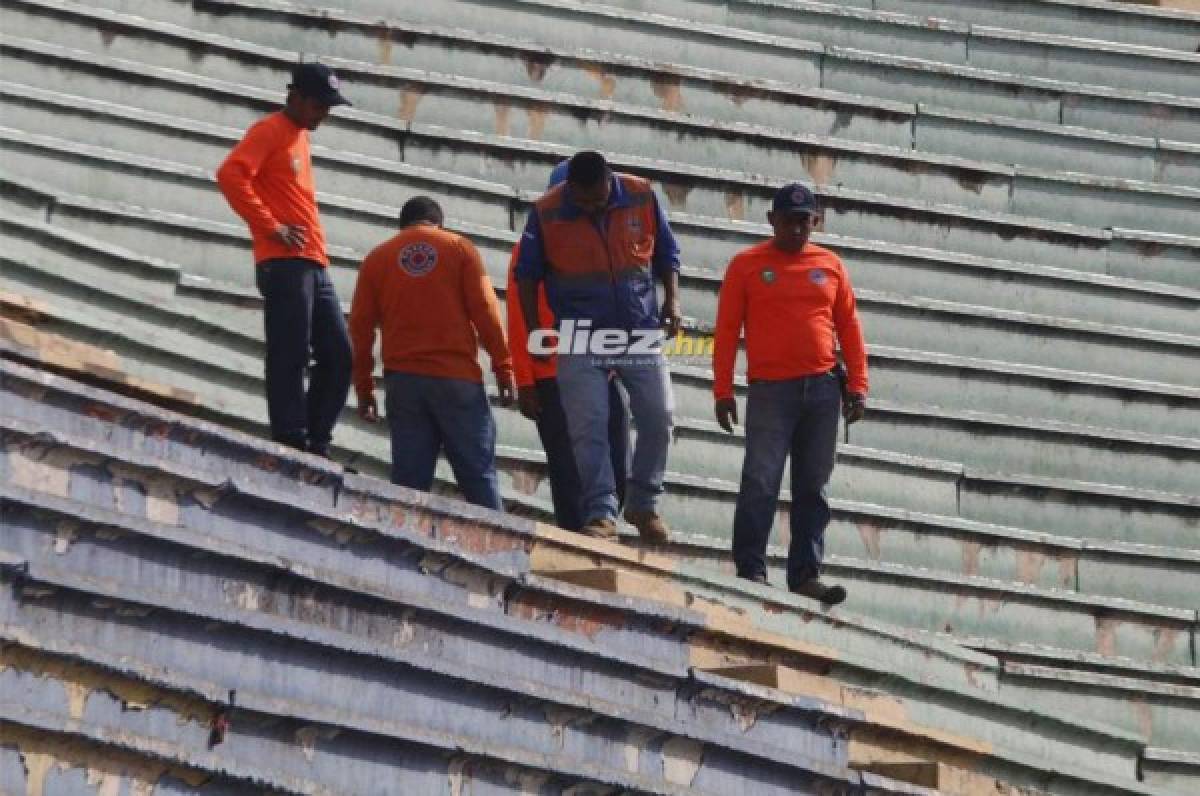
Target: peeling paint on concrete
(306, 737)
(608, 83)
(410, 98)
(1106, 635)
(667, 89)
(66, 532)
(681, 760)
(870, 533)
(970, 557)
(820, 167)
(638, 738)
(42, 468)
(530, 783)
(537, 121)
(503, 123)
(1029, 566)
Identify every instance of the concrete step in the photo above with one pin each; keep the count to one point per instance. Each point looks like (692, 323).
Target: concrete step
(920, 272)
(1129, 252)
(450, 101)
(1056, 449)
(1110, 626)
(910, 376)
(926, 598)
(852, 70)
(298, 553)
(907, 322)
(156, 559)
(1066, 56)
(1128, 23)
(904, 480)
(702, 93)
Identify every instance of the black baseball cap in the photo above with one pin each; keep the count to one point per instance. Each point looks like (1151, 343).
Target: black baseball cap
(317, 81)
(794, 197)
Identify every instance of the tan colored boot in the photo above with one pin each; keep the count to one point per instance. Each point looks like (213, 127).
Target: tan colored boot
(649, 526)
(600, 528)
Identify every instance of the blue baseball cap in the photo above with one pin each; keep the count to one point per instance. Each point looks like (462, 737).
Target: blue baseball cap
(317, 81)
(794, 197)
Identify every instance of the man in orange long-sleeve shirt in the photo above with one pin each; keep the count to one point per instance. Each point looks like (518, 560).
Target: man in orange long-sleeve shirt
(795, 301)
(427, 290)
(267, 179)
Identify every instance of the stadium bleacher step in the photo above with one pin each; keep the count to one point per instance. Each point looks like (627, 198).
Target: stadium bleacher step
(353, 485)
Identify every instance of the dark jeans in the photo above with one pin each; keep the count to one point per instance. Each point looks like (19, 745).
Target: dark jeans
(797, 417)
(428, 414)
(560, 458)
(303, 321)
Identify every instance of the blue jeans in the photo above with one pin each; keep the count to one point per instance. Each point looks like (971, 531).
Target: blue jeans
(303, 320)
(584, 388)
(797, 417)
(429, 414)
(560, 457)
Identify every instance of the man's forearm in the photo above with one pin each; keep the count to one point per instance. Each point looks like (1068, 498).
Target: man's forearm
(670, 282)
(527, 291)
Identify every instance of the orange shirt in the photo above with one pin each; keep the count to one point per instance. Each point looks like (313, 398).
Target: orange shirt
(426, 288)
(526, 369)
(794, 306)
(267, 180)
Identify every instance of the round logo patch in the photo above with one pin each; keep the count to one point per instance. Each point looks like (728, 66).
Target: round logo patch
(817, 276)
(768, 276)
(418, 259)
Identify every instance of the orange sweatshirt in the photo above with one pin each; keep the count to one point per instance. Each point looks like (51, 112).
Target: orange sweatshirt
(526, 369)
(427, 290)
(267, 180)
(793, 306)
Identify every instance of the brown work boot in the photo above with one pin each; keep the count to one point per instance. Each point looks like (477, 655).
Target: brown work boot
(649, 526)
(600, 528)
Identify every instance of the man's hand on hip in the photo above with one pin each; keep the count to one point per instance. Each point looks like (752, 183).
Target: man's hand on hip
(291, 235)
(726, 412)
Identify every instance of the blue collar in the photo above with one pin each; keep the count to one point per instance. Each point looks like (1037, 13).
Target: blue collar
(617, 197)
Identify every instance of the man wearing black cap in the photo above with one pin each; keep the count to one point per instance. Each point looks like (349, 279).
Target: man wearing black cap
(267, 179)
(796, 304)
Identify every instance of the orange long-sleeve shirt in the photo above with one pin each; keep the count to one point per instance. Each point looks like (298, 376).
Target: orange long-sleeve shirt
(795, 308)
(267, 180)
(526, 369)
(427, 290)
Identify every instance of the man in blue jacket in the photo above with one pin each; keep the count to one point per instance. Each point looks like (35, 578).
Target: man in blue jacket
(599, 242)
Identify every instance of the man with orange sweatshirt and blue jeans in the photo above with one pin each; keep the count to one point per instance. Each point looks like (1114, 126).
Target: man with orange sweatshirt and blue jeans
(268, 181)
(795, 301)
(428, 292)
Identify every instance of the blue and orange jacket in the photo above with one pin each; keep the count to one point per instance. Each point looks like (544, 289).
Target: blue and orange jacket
(600, 269)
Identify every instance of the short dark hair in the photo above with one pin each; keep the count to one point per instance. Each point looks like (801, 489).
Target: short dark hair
(587, 168)
(421, 208)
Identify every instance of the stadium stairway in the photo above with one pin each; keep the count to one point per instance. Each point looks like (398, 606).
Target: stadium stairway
(352, 613)
(996, 499)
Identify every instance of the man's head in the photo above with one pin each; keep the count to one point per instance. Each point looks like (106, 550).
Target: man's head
(421, 210)
(313, 91)
(793, 216)
(589, 180)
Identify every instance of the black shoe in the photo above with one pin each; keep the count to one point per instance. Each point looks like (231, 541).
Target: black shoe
(756, 578)
(320, 449)
(829, 595)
